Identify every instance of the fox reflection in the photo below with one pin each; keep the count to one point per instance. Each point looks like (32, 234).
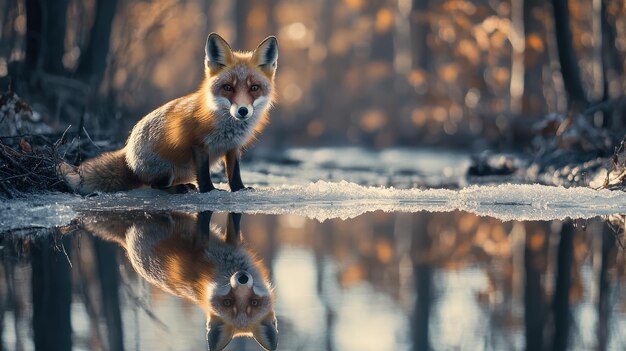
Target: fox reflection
(185, 256)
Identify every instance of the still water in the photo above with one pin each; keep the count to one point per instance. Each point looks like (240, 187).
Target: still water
(138, 280)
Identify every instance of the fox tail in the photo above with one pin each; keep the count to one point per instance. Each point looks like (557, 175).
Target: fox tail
(108, 172)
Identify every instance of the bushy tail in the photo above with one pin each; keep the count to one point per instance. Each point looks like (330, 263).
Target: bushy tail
(108, 172)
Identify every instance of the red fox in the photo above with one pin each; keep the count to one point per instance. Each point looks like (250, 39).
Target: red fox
(180, 254)
(178, 143)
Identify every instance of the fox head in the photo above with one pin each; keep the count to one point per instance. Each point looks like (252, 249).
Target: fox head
(240, 83)
(243, 307)
(241, 301)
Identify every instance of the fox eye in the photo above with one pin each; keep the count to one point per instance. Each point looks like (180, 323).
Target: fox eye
(227, 87)
(227, 302)
(255, 87)
(254, 302)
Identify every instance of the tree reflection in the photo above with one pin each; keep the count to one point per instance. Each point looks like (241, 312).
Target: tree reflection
(426, 280)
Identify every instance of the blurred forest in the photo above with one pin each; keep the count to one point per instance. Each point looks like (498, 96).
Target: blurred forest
(374, 73)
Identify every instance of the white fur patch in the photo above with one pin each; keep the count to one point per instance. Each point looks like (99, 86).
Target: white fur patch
(234, 111)
(217, 103)
(261, 102)
(261, 290)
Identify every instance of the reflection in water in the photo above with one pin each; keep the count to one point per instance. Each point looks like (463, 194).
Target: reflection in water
(382, 281)
(181, 255)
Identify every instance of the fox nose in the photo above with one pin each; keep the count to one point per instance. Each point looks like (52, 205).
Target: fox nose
(241, 278)
(243, 112)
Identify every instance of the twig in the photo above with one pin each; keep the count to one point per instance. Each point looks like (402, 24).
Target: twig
(88, 137)
(58, 142)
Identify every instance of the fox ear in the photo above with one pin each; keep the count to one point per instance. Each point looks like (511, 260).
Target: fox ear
(266, 334)
(266, 54)
(218, 334)
(218, 52)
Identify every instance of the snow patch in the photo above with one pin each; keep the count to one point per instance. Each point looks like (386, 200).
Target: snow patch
(41, 211)
(324, 200)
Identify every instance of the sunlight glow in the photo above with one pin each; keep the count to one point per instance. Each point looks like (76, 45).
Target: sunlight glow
(459, 322)
(296, 293)
(367, 320)
(296, 31)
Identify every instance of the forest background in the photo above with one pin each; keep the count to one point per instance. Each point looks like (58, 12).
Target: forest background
(455, 73)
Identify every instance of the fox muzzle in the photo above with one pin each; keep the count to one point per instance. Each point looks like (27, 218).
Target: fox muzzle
(241, 112)
(241, 278)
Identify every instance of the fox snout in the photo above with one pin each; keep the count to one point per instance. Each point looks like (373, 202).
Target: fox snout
(241, 111)
(240, 279)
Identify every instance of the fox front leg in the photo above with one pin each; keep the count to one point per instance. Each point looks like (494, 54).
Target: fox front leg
(233, 229)
(232, 171)
(203, 171)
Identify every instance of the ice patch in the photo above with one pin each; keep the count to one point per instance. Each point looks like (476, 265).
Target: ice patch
(40, 211)
(324, 200)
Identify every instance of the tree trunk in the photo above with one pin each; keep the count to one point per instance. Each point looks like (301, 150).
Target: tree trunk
(567, 57)
(612, 62)
(420, 246)
(241, 12)
(535, 57)
(420, 28)
(612, 69)
(534, 305)
(560, 307)
(604, 299)
(93, 61)
(52, 295)
(55, 18)
(109, 288)
(34, 30)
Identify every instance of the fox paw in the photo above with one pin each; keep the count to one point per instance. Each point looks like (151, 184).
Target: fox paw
(180, 188)
(212, 189)
(247, 188)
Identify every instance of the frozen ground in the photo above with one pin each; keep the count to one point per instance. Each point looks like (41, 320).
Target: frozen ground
(401, 168)
(324, 200)
(355, 181)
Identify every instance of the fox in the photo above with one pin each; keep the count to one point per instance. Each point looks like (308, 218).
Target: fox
(182, 254)
(174, 147)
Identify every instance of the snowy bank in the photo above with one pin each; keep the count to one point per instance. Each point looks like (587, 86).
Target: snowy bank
(323, 200)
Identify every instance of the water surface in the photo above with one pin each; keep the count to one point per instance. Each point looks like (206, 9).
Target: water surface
(379, 281)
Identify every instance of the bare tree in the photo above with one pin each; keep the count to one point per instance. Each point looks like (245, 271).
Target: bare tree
(534, 303)
(241, 12)
(54, 24)
(535, 57)
(34, 33)
(108, 273)
(93, 60)
(563, 283)
(52, 294)
(567, 56)
(420, 28)
(421, 244)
